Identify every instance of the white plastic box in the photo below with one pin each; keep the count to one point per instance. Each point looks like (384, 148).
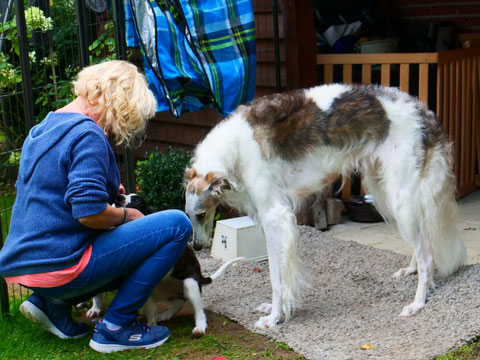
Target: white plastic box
(238, 237)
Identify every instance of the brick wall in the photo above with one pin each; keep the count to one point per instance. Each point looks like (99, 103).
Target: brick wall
(464, 13)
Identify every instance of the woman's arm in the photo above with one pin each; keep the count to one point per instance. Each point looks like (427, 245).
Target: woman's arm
(109, 217)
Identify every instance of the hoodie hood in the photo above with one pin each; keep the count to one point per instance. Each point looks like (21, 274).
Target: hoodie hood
(44, 136)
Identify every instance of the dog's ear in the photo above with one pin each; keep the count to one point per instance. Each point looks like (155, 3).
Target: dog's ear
(190, 173)
(218, 183)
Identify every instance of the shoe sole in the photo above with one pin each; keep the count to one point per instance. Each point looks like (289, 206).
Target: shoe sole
(108, 348)
(36, 315)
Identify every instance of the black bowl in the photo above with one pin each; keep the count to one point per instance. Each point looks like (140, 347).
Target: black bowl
(362, 211)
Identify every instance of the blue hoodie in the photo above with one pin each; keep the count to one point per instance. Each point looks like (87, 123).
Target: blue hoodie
(67, 171)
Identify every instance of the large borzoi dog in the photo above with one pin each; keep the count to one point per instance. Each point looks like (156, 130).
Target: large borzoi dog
(268, 156)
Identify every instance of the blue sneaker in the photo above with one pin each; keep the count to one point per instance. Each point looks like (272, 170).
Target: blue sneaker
(134, 336)
(55, 318)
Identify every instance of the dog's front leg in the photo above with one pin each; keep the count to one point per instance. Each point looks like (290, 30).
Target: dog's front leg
(275, 307)
(279, 227)
(96, 308)
(192, 293)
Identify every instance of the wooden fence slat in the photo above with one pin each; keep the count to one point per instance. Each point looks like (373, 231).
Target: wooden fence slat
(445, 102)
(385, 74)
(405, 77)
(423, 83)
(347, 74)
(439, 92)
(347, 189)
(366, 74)
(451, 102)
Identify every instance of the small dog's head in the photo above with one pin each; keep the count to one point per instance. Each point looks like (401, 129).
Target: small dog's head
(133, 201)
(202, 196)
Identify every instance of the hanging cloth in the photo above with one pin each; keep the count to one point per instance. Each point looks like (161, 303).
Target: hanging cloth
(197, 54)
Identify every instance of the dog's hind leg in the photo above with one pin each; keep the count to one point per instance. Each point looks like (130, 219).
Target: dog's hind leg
(425, 281)
(175, 306)
(150, 311)
(409, 270)
(372, 184)
(409, 221)
(192, 293)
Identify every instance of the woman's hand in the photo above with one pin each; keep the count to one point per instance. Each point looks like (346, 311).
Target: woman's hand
(134, 214)
(109, 218)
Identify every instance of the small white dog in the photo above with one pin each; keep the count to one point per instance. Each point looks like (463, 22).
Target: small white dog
(268, 156)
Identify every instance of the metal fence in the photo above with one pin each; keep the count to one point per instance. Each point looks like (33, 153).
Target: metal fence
(42, 47)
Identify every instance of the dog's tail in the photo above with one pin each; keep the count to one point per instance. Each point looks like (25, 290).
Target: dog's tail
(437, 196)
(221, 270)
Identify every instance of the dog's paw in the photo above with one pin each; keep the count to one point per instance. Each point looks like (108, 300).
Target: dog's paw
(405, 272)
(267, 322)
(198, 332)
(411, 309)
(93, 313)
(265, 308)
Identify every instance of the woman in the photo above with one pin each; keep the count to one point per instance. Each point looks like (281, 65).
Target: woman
(66, 242)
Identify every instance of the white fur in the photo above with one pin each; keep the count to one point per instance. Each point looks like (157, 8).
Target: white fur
(266, 187)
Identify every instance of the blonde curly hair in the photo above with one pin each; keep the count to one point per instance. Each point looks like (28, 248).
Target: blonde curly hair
(119, 97)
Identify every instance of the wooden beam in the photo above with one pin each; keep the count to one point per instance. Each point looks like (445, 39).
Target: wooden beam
(394, 58)
(300, 43)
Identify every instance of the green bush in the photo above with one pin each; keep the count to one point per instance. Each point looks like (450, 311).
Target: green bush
(160, 178)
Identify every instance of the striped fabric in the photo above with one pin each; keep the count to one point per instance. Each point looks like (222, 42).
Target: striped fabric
(197, 54)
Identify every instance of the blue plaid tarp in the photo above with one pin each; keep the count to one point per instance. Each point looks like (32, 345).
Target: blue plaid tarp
(197, 54)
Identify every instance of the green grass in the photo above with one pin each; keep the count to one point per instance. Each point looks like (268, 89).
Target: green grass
(6, 202)
(22, 339)
(467, 352)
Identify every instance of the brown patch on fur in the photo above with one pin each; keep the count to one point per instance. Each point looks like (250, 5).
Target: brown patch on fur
(287, 122)
(210, 177)
(432, 135)
(356, 117)
(197, 185)
(291, 124)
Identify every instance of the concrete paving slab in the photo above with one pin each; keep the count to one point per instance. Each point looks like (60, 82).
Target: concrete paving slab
(386, 236)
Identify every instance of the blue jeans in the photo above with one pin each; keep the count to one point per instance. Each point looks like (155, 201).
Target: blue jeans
(132, 258)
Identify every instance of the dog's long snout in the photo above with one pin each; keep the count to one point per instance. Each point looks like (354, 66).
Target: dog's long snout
(197, 246)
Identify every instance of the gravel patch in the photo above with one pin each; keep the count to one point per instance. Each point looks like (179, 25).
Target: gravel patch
(353, 301)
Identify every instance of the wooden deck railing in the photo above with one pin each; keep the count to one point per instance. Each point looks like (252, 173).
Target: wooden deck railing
(447, 81)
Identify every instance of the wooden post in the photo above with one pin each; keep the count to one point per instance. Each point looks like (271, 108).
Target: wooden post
(300, 44)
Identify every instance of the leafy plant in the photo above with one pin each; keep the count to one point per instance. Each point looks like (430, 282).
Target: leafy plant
(160, 178)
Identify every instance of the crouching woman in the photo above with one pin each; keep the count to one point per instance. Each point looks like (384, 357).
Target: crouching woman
(66, 242)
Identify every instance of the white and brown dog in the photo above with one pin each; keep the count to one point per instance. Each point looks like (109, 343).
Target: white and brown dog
(183, 282)
(268, 156)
